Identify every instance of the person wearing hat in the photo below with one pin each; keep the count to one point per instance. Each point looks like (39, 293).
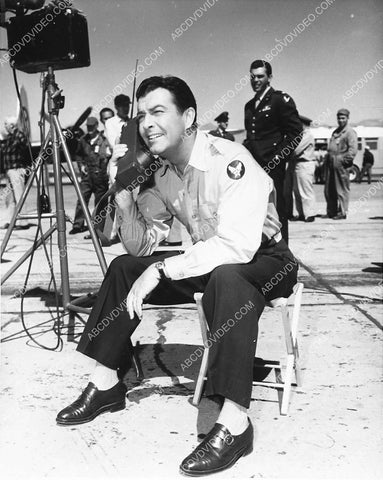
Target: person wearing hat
(299, 190)
(223, 122)
(92, 155)
(273, 130)
(368, 162)
(342, 149)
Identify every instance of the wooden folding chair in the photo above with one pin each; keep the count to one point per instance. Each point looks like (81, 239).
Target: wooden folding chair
(290, 319)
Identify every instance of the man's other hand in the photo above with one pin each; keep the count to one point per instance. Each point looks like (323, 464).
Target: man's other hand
(141, 288)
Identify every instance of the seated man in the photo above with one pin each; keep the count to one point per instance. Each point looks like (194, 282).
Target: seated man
(227, 203)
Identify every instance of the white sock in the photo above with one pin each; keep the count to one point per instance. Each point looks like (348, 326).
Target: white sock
(104, 377)
(234, 417)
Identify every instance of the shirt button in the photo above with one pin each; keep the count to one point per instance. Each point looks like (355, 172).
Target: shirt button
(253, 131)
(194, 216)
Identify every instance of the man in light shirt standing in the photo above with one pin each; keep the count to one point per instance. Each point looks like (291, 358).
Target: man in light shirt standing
(227, 203)
(299, 189)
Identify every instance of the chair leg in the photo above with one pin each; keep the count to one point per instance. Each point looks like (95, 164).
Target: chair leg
(204, 362)
(287, 384)
(297, 367)
(201, 378)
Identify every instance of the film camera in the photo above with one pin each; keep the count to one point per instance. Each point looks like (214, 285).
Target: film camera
(54, 36)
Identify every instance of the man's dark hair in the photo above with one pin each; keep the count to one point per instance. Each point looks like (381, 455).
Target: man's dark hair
(182, 95)
(121, 100)
(106, 109)
(260, 64)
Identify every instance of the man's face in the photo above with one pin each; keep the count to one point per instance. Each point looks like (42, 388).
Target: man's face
(161, 125)
(223, 125)
(259, 79)
(123, 110)
(342, 120)
(92, 129)
(105, 116)
(10, 127)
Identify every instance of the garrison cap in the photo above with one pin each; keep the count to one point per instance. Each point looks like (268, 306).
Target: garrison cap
(92, 121)
(343, 111)
(222, 117)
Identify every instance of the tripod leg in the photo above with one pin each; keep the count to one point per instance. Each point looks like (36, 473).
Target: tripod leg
(28, 253)
(60, 212)
(84, 206)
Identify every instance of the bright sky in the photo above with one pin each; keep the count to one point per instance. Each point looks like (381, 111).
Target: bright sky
(321, 55)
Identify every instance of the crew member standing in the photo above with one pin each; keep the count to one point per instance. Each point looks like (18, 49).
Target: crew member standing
(93, 155)
(223, 123)
(299, 190)
(273, 130)
(15, 157)
(114, 124)
(368, 162)
(105, 114)
(342, 149)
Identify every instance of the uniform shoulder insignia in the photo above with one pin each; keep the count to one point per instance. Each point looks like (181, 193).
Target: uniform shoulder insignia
(235, 170)
(286, 97)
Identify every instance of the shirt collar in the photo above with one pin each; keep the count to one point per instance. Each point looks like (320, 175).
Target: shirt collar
(263, 94)
(198, 155)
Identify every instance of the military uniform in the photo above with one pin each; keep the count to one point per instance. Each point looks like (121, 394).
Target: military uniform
(273, 131)
(222, 134)
(92, 157)
(227, 204)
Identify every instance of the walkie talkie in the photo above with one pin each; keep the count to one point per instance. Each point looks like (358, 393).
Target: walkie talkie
(133, 168)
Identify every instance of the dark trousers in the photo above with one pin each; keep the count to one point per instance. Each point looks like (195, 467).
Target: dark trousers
(277, 171)
(366, 170)
(278, 176)
(234, 298)
(94, 182)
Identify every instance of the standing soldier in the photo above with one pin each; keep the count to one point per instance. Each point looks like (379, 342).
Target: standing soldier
(299, 191)
(273, 130)
(342, 149)
(223, 123)
(93, 155)
(368, 162)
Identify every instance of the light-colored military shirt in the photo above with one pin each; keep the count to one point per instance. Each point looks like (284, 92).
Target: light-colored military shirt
(225, 200)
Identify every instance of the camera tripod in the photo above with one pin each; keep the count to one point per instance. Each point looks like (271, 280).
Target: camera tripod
(54, 141)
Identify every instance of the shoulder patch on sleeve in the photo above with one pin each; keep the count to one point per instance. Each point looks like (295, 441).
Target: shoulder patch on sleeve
(235, 170)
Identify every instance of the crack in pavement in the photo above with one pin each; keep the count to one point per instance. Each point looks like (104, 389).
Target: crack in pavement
(321, 280)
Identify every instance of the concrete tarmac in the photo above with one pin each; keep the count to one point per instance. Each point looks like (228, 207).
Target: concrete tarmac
(335, 422)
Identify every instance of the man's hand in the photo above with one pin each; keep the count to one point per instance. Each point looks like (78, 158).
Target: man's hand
(141, 288)
(119, 151)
